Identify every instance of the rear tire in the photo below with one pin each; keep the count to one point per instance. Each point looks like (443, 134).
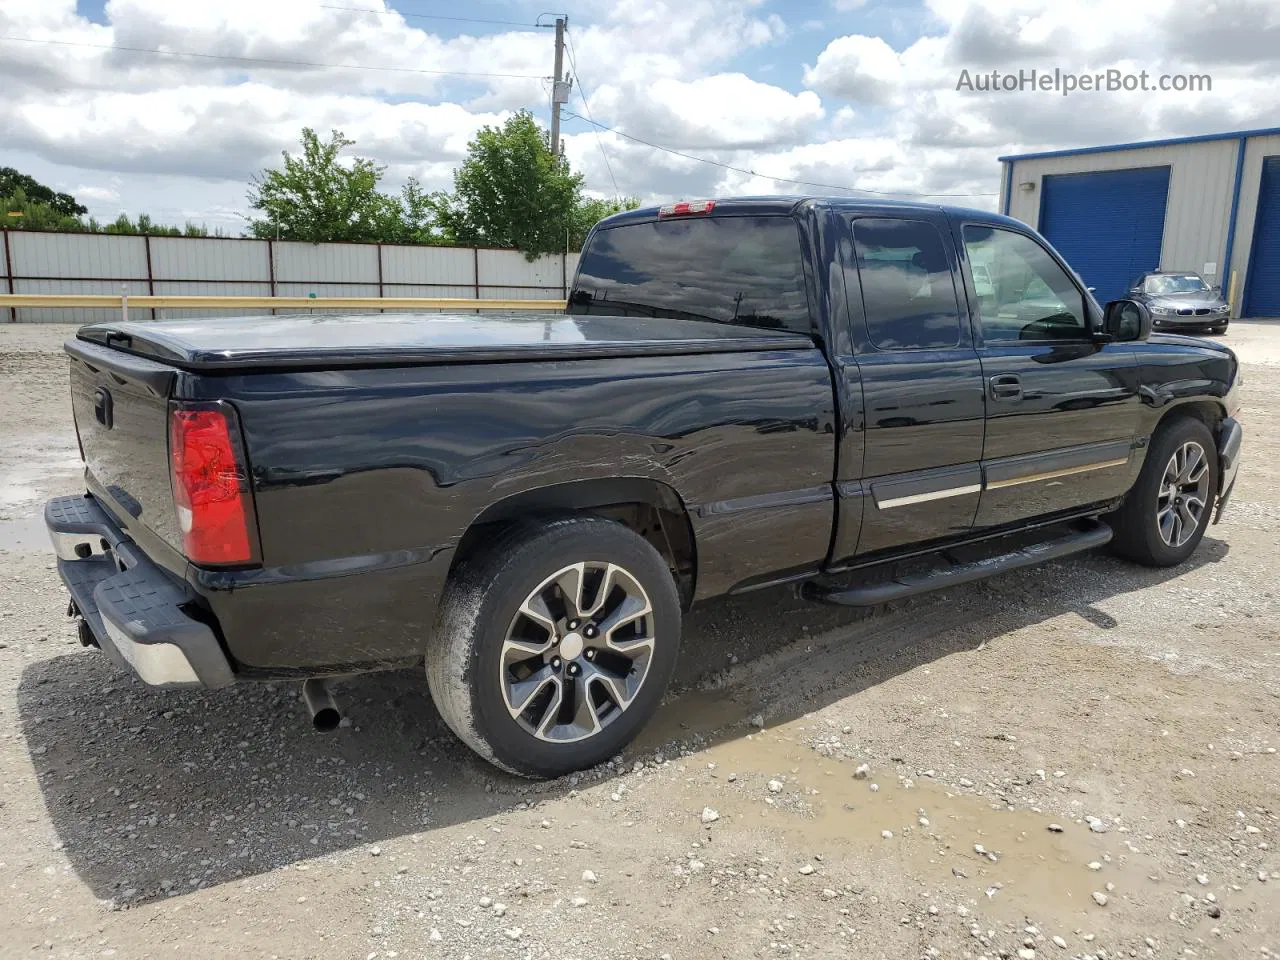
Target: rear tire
(555, 646)
(1168, 509)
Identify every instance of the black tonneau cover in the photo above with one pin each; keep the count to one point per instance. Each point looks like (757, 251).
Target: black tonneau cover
(310, 341)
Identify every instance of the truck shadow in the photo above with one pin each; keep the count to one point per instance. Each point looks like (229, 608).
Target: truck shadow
(155, 793)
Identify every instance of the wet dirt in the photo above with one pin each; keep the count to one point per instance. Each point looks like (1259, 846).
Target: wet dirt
(26, 535)
(988, 852)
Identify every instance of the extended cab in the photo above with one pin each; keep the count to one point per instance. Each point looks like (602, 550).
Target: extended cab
(743, 393)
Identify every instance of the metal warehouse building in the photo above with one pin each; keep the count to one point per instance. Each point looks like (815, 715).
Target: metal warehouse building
(1207, 204)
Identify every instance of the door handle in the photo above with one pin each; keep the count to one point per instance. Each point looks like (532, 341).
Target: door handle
(1006, 386)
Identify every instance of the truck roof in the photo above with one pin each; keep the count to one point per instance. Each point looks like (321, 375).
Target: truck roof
(782, 205)
(317, 341)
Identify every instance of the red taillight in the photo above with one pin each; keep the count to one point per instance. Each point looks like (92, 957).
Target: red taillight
(209, 487)
(686, 208)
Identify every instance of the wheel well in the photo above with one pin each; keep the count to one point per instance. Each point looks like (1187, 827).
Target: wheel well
(648, 508)
(1206, 411)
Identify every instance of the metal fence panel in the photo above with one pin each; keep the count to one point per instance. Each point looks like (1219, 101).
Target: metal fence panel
(509, 267)
(333, 262)
(196, 258)
(429, 265)
(208, 288)
(78, 256)
(520, 293)
(54, 263)
(69, 314)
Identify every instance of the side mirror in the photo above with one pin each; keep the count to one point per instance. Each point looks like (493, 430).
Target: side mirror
(1217, 290)
(1126, 320)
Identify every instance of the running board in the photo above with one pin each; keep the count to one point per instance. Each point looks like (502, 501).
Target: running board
(952, 574)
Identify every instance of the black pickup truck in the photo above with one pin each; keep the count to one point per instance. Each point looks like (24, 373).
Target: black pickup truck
(743, 393)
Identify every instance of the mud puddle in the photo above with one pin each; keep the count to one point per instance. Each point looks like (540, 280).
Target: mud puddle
(1004, 863)
(25, 535)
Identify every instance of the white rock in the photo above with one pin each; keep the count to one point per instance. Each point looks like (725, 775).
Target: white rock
(513, 933)
(588, 876)
(1026, 953)
(875, 788)
(1099, 898)
(862, 771)
(807, 869)
(775, 786)
(923, 821)
(1094, 865)
(758, 721)
(1059, 942)
(886, 834)
(965, 782)
(436, 936)
(1262, 875)
(579, 901)
(1055, 828)
(499, 909)
(829, 894)
(1202, 879)
(709, 815)
(486, 902)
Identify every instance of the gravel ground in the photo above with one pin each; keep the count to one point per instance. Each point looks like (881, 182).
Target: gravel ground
(1077, 761)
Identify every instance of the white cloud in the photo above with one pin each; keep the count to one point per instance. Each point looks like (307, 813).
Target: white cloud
(179, 137)
(859, 68)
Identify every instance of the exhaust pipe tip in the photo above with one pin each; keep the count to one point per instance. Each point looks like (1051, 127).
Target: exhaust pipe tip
(325, 715)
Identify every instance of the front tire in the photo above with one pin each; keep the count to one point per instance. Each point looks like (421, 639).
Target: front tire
(1168, 509)
(555, 646)
(1219, 329)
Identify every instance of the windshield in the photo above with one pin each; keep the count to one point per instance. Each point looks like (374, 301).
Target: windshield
(1176, 283)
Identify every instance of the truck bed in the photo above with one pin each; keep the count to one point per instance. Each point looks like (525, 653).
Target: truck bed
(309, 341)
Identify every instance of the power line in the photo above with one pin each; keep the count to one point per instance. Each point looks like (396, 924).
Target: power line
(768, 176)
(262, 61)
(427, 16)
(582, 92)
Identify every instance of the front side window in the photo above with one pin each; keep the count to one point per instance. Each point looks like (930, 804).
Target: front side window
(907, 289)
(745, 270)
(1022, 292)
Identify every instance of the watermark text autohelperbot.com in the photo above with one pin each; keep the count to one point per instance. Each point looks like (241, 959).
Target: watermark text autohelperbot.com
(1065, 82)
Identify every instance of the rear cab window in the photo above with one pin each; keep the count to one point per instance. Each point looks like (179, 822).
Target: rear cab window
(908, 290)
(741, 270)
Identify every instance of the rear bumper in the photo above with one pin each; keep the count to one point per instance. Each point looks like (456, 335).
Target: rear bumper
(1230, 439)
(134, 609)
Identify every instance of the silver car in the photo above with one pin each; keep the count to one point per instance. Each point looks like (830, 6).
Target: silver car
(1182, 300)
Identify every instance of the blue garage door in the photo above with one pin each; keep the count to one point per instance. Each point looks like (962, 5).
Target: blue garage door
(1108, 225)
(1263, 287)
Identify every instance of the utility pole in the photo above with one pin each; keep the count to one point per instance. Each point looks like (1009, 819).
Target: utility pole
(559, 88)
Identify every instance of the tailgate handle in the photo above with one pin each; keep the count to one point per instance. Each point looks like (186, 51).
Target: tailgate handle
(102, 406)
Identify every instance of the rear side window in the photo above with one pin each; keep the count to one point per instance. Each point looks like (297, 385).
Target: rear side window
(744, 270)
(907, 288)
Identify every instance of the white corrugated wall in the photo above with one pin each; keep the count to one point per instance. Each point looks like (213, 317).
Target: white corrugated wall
(108, 263)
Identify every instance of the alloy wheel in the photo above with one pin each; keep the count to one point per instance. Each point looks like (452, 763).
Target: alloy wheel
(1184, 494)
(577, 651)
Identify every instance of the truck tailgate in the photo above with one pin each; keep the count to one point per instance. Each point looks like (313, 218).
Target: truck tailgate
(120, 404)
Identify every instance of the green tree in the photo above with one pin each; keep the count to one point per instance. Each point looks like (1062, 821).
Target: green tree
(35, 214)
(511, 191)
(591, 211)
(12, 181)
(315, 198)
